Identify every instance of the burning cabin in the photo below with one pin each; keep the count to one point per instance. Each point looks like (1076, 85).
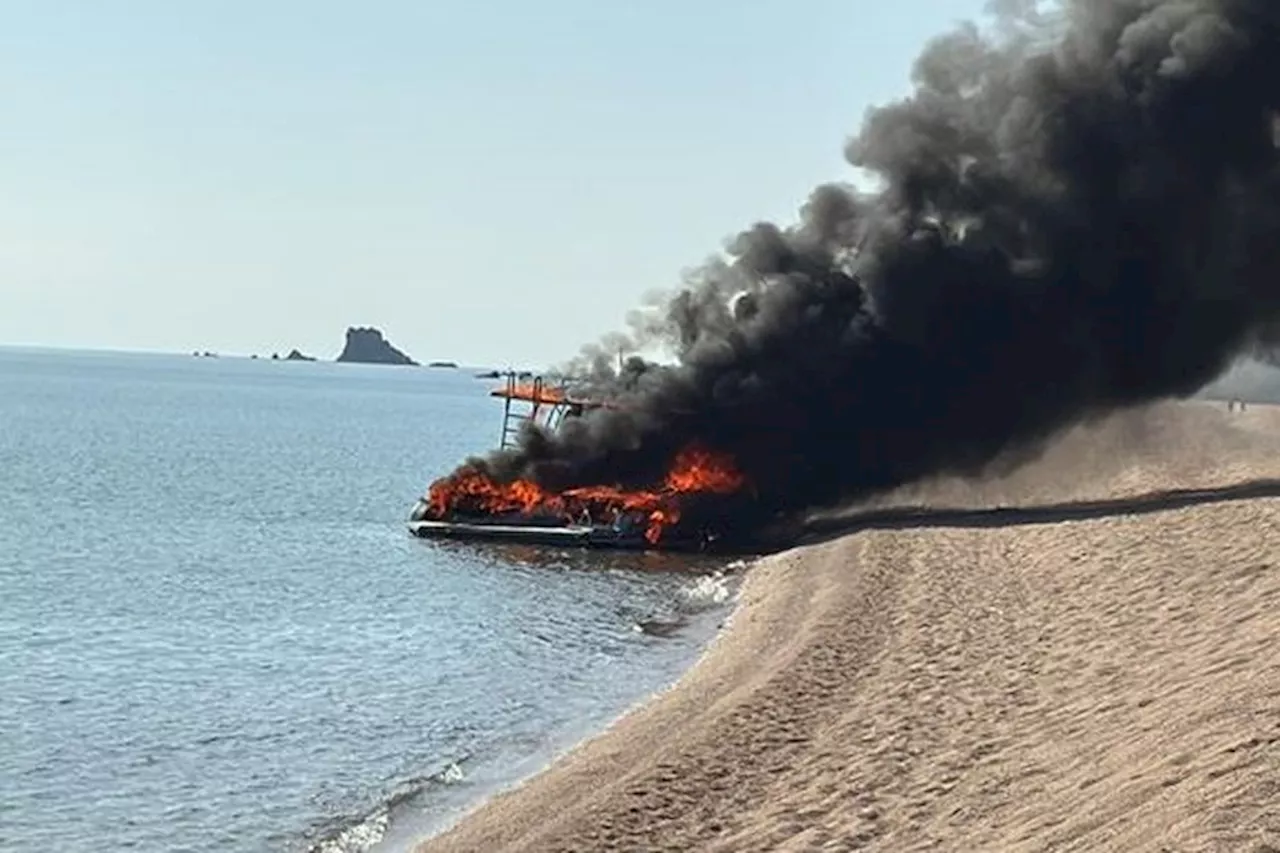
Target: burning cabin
(468, 505)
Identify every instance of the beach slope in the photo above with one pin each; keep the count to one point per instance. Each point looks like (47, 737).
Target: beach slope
(1100, 680)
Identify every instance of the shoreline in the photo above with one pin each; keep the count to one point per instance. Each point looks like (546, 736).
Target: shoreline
(637, 714)
(842, 709)
(437, 804)
(533, 766)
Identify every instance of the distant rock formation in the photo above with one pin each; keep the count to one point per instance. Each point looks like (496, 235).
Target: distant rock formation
(367, 346)
(447, 365)
(294, 355)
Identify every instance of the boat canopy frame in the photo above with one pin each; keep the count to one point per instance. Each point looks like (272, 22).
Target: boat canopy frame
(536, 400)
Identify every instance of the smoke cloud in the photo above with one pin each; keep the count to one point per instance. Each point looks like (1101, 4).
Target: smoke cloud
(1078, 210)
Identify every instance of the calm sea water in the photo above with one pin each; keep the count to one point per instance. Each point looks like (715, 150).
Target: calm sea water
(216, 634)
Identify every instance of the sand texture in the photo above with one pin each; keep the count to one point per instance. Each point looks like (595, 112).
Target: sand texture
(1018, 683)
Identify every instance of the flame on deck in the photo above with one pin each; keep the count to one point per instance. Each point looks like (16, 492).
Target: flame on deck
(694, 470)
(531, 392)
(541, 394)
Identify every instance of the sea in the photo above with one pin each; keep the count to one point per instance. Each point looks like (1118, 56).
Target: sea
(217, 634)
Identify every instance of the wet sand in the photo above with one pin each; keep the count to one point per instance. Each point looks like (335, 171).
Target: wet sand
(1110, 682)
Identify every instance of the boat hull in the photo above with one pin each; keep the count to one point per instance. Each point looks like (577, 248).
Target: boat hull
(570, 535)
(532, 534)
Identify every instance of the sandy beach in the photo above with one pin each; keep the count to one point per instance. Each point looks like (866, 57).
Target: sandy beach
(1024, 682)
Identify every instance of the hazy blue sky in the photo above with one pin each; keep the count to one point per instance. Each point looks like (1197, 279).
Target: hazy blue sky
(494, 182)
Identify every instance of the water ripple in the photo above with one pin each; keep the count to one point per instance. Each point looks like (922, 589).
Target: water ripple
(216, 635)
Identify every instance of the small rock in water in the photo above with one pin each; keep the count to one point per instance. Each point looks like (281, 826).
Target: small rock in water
(659, 627)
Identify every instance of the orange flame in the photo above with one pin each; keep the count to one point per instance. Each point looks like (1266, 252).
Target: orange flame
(699, 470)
(532, 393)
(694, 469)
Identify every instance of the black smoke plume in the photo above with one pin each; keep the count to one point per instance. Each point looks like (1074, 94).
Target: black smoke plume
(1079, 210)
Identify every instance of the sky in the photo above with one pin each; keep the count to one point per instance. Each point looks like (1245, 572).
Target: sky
(494, 183)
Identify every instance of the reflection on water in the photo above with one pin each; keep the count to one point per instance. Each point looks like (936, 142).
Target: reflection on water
(507, 554)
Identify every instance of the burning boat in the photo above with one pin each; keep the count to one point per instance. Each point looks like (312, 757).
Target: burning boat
(470, 505)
